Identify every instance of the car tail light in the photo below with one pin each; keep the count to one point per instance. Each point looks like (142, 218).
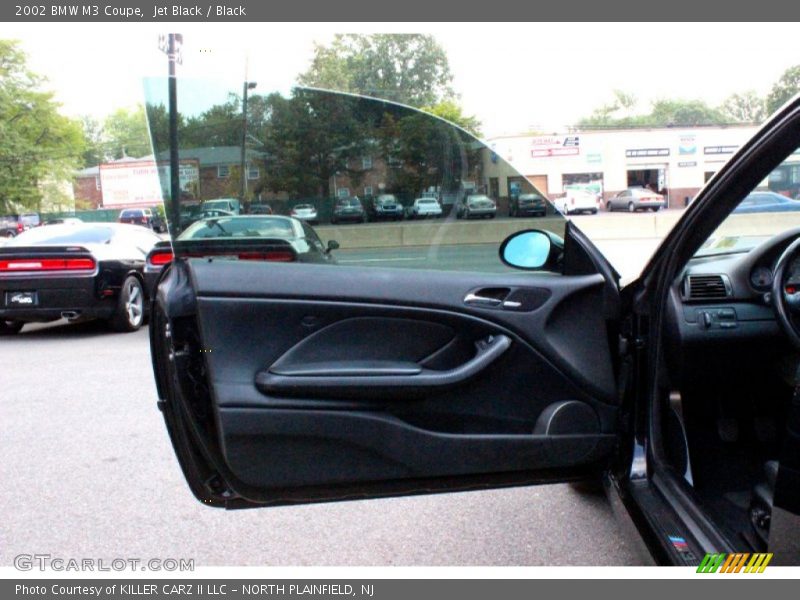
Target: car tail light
(161, 258)
(275, 256)
(790, 289)
(270, 256)
(19, 265)
(20, 228)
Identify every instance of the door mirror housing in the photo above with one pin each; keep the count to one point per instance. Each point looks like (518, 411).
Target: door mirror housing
(533, 250)
(332, 245)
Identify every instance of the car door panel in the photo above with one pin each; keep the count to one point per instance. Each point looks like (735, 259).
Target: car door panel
(290, 382)
(321, 377)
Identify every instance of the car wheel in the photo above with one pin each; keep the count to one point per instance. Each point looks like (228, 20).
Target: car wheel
(10, 234)
(129, 314)
(11, 327)
(594, 212)
(631, 207)
(609, 207)
(656, 208)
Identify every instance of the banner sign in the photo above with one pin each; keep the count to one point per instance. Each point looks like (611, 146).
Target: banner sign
(144, 183)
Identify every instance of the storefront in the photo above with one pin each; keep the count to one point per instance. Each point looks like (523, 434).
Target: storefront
(675, 162)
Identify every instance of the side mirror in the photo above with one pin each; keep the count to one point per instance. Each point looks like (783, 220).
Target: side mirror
(533, 250)
(332, 245)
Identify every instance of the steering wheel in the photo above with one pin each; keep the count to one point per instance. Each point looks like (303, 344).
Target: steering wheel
(786, 298)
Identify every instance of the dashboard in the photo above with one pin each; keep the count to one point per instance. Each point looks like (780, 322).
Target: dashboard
(722, 297)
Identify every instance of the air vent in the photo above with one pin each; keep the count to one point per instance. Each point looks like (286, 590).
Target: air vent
(706, 287)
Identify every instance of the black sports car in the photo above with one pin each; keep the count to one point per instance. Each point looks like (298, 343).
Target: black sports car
(76, 271)
(243, 237)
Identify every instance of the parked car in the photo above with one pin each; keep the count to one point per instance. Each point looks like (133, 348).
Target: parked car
(636, 198)
(270, 238)
(758, 202)
(305, 212)
(11, 225)
(146, 217)
(527, 205)
(231, 205)
(260, 208)
(75, 271)
(63, 221)
(388, 207)
(424, 208)
(577, 201)
(197, 213)
(348, 209)
(476, 205)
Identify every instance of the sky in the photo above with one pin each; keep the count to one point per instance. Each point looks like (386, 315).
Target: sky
(514, 77)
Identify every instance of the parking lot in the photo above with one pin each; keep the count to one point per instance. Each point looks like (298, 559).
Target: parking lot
(93, 473)
(89, 472)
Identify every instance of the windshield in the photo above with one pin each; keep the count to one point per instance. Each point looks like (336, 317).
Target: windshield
(349, 203)
(245, 226)
(771, 208)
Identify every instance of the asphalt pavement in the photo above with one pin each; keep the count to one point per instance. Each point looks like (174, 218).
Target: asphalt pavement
(88, 472)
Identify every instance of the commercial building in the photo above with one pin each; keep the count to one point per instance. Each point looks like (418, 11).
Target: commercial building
(675, 161)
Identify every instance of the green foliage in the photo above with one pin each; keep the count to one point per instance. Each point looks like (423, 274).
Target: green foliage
(125, 133)
(450, 111)
(310, 136)
(407, 68)
(746, 107)
(663, 113)
(784, 89)
(38, 146)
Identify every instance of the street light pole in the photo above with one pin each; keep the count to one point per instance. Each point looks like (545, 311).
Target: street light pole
(248, 85)
(174, 161)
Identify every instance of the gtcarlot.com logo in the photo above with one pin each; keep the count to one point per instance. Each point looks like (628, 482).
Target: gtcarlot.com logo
(45, 562)
(739, 562)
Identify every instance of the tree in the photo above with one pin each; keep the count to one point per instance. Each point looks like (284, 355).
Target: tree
(452, 112)
(746, 107)
(684, 113)
(38, 146)
(663, 113)
(94, 152)
(784, 89)
(125, 133)
(407, 68)
(310, 137)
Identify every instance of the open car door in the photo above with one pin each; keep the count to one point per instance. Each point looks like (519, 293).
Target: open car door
(300, 361)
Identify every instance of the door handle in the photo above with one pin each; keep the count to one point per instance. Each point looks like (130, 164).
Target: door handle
(359, 381)
(477, 300)
(487, 297)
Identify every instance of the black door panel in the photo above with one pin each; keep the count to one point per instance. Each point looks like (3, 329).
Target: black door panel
(337, 387)
(313, 447)
(567, 328)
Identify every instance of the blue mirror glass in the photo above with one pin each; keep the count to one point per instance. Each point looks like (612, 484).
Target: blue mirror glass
(527, 250)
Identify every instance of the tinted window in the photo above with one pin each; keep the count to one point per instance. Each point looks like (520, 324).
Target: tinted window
(310, 148)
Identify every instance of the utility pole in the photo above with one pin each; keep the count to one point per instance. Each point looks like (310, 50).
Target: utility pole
(248, 85)
(173, 43)
(174, 159)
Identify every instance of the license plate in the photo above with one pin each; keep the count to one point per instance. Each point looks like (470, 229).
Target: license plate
(21, 299)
